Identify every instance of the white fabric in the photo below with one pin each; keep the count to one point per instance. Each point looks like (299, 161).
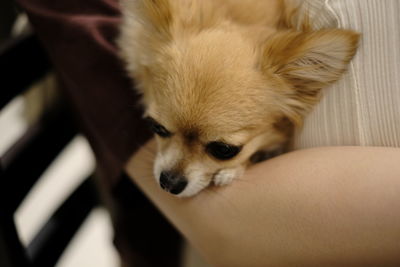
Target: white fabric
(363, 108)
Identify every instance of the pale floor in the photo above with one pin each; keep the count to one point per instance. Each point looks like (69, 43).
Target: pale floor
(92, 246)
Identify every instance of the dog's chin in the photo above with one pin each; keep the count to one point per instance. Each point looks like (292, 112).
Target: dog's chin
(193, 188)
(220, 178)
(196, 184)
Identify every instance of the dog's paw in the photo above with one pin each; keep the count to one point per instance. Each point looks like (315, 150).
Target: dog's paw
(226, 176)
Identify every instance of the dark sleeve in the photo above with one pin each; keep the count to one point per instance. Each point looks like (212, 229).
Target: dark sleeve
(79, 37)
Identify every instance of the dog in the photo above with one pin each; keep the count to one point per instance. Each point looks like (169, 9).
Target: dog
(225, 83)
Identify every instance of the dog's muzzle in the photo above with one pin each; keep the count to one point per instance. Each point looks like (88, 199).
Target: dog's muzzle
(172, 182)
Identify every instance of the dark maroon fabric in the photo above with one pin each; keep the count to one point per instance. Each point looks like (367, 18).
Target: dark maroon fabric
(79, 36)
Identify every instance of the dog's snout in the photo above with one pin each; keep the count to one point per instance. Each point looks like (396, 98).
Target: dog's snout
(172, 182)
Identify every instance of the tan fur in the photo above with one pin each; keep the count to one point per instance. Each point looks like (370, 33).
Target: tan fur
(227, 70)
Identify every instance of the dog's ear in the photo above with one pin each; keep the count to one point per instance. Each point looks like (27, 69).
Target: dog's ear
(306, 62)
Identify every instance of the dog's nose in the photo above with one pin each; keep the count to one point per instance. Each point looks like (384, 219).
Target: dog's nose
(172, 182)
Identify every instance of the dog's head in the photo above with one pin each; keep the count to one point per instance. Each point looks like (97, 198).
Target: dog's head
(215, 97)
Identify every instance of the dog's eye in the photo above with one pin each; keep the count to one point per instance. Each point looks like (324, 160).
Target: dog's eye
(222, 151)
(157, 128)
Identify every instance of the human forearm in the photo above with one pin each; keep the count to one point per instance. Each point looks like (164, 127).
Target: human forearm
(318, 207)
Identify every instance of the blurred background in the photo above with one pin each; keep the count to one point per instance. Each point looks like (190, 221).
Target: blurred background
(92, 244)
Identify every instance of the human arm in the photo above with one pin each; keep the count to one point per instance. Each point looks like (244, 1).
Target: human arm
(334, 206)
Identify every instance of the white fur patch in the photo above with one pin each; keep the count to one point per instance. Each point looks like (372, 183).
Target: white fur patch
(226, 176)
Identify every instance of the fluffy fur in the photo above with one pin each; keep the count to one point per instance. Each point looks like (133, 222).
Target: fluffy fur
(241, 72)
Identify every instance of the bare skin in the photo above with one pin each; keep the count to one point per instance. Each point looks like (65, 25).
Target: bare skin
(332, 206)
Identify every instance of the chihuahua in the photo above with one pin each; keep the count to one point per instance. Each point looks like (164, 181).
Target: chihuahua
(225, 83)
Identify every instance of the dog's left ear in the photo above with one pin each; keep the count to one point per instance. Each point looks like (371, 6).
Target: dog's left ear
(307, 62)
